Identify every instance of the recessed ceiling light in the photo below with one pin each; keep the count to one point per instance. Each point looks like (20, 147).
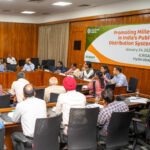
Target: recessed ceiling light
(28, 12)
(61, 3)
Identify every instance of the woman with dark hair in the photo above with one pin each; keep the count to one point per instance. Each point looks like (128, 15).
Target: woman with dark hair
(87, 71)
(105, 71)
(73, 70)
(97, 84)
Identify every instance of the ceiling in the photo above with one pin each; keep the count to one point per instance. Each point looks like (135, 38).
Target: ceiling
(45, 7)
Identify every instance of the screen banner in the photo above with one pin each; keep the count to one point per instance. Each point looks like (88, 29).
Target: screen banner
(126, 45)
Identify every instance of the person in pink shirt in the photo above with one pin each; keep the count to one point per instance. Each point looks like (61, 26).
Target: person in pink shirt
(98, 84)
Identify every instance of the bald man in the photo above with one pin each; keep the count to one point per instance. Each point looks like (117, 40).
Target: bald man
(53, 88)
(28, 111)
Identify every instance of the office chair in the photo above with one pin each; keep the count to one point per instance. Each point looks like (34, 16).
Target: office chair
(142, 131)
(82, 129)
(35, 61)
(79, 87)
(21, 62)
(53, 97)
(45, 135)
(132, 85)
(39, 93)
(11, 67)
(4, 101)
(2, 136)
(117, 135)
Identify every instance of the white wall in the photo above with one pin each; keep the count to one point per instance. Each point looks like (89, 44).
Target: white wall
(105, 9)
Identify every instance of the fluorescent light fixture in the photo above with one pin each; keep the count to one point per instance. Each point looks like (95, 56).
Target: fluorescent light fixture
(28, 12)
(61, 3)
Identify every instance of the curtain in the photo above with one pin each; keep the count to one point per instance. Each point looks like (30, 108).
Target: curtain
(53, 42)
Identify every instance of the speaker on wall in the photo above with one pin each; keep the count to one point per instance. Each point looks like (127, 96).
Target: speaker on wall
(77, 45)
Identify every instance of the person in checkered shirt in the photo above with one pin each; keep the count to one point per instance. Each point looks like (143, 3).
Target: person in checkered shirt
(110, 106)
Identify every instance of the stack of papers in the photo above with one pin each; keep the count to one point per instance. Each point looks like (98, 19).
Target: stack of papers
(138, 100)
(94, 105)
(85, 87)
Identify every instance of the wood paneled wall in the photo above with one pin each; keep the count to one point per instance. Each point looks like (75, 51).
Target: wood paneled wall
(78, 32)
(19, 39)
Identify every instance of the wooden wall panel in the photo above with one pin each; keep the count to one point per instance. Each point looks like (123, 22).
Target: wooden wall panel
(80, 27)
(19, 39)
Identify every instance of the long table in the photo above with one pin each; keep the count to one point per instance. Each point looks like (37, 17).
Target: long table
(38, 79)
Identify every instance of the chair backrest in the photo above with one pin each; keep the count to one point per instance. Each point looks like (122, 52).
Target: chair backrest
(133, 84)
(2, 136)
(79, 87)
(21, 62)
(148, 124)
(118, 130)
(4, 101)
(82, 129)
(51, 62)
(53, 97)
(46, 133)
(11, 67)
(35, 61)
(40, 93)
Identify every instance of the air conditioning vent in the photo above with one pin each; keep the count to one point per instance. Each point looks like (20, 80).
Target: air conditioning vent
(45, 13)
(6, 10)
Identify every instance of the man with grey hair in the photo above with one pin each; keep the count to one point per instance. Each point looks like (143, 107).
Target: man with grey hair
(53, 88)
(17, 87)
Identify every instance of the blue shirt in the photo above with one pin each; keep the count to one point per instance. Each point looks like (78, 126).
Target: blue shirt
(120, 80)
(1, 68)
(1, 124)
(28, 67)
(62, 69)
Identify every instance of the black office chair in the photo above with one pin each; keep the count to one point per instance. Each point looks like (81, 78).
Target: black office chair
(142, 131)
(82, 129)
(39, 93)
(45, 135)
(35, 61)
(21, 62)
(79, 87)
(2, 136)
(117, 135)
(4, 101)
(132, 85)
(53, 97)
(10, 67)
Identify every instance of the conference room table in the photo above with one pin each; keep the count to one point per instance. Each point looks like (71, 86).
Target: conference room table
(40, 79)
(13, 127)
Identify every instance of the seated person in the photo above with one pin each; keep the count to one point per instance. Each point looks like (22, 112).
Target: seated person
(73, 71)
(71, 99)
(29, 66)
(1, 90)
(110, 106)
(2, 66)
(98, 83)
(105, 71)
(53, 88)
(119, 78)
(27, 112)
(17, 87)
(11, 60)
(87, 71)
(60, 68)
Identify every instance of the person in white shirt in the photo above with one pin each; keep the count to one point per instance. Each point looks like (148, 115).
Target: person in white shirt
(11, 60)
(17, 87)
(53, 88)
(71, 99)
(28, 112)
(87, 71)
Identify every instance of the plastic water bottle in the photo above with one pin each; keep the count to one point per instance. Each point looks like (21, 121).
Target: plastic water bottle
(97, 99)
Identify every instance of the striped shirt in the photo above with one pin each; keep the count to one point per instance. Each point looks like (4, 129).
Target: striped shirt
(105, 114)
